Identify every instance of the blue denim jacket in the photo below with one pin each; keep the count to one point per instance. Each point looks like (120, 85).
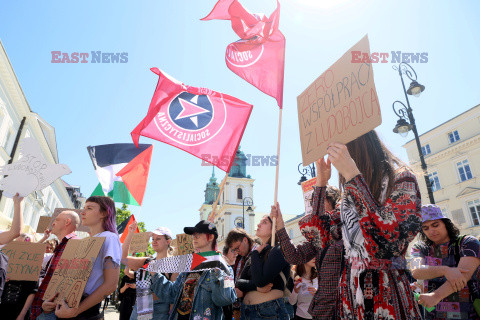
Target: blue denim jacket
(210, 295)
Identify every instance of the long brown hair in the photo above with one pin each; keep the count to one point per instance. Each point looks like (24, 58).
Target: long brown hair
(301, 271)
(374, 161)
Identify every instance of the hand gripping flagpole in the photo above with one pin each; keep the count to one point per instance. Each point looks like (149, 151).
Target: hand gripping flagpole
(211, 217)
(274, 222)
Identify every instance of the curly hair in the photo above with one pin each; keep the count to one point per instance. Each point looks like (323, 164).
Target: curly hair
(452, 230)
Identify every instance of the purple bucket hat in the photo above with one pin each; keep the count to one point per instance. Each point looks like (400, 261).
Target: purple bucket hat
(431, 212)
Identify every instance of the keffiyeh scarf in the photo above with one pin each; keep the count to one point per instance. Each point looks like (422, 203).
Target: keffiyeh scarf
(144, 295)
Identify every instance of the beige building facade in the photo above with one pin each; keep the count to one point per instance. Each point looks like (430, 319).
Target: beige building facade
(452, 154)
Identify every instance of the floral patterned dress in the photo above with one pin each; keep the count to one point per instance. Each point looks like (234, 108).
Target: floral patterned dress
(374, 284)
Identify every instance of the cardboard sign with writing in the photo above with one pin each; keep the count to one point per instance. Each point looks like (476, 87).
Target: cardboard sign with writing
(73, 270)
(139, 242)
(307, 188)
(184, 244)
(43, 224)
(24, 260)
(339, 106)
(57, 211)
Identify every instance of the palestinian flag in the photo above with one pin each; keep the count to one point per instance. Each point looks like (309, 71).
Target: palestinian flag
(190, 262)
(123, 228)
(122, 169)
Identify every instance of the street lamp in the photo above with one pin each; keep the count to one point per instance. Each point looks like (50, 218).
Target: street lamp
(406, 121)
(306, 170)
(249, 209)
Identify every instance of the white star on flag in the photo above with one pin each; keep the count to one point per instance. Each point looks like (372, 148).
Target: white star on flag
(191, 110)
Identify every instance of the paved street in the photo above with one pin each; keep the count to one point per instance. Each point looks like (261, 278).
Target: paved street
(111, 313)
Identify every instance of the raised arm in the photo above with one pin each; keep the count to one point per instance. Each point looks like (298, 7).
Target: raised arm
(17, 222)
(133, 263)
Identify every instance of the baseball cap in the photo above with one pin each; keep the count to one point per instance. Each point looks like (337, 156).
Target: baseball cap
(163, 231)
(431, 212)
(203, 226)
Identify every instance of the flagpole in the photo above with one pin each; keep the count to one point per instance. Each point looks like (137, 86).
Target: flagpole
(222, 184)
(274, 222)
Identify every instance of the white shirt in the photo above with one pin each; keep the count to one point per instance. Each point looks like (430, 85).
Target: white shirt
(303, 298)
(111, 248)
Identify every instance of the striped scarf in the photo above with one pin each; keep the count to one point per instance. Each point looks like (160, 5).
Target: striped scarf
(190, 263)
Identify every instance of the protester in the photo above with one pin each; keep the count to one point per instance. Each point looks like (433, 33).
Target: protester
(379, 215)
(240, 242)
(99, 215)
(230, 257)
(264, 278)
(63, 227)
(446, 262)
(17, 222)
(305, 287)
(127, 294)
(198, 294)
(328, 260)
(49, 248)
(161, 244)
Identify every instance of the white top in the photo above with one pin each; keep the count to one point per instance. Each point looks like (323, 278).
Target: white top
(303, 298)
(111, 248)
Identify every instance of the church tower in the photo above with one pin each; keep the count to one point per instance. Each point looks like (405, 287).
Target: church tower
(236, 201)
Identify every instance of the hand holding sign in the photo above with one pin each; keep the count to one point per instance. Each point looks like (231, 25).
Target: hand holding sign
(339, 156)
(31, 172)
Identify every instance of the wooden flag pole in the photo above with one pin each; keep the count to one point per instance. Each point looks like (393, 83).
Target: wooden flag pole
(274, 222)
(222, 184)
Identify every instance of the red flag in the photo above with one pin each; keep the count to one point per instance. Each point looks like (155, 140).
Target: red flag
(259, 57)
(202, 122)
(123, 228)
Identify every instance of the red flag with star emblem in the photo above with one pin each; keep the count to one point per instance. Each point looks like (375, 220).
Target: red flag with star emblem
(200, 121)
(259, 56)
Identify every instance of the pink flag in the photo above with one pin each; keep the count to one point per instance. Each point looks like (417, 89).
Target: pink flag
(202, 122)
(259, 56)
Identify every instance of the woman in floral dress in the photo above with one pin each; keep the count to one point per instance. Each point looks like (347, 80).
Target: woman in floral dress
(378, 217)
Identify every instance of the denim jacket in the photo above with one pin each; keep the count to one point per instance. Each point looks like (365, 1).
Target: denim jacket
(210, 294)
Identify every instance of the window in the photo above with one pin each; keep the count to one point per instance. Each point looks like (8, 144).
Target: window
(9, 140)
(434, 181)
(426, 149)
(464, 171)
(453, 136)
(239, 193)
(291, 233)
(474, 208)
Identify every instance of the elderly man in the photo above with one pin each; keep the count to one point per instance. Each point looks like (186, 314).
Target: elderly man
(64, 227)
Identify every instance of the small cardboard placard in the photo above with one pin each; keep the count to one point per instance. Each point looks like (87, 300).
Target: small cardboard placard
(24, 260)
(184, 244)
(307, 188)
(57, 211)
(340, 105)
(43, 224)
(139, 242)
(73, 270)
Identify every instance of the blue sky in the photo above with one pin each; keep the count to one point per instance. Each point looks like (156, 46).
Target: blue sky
(91, 104)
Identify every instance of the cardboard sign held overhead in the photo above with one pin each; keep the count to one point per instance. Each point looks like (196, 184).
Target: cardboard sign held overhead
(24, 260)
(139, 242)
(73, 270)
(307, 188)
(57, 211)
(184, 244)
(340, 105)
(43, 224)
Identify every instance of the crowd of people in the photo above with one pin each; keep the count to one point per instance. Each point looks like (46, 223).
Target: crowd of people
(351, 265)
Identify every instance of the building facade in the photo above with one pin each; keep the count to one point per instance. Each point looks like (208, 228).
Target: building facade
(17, 121)
(452, 154)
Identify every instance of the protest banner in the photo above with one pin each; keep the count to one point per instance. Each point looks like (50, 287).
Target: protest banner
(307, 188)
(184, 244)
(340, 105)
(24, 260)
(139, 242)
(57, 211)
(43, 224)
(73, 270)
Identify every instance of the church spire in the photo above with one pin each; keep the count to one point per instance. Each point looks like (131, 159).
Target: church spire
(212, 189)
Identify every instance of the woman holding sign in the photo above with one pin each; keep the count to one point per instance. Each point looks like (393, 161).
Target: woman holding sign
(379, 215)
(99, 215)
(161, 244)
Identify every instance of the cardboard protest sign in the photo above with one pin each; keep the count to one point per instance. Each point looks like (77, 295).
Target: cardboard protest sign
(139, 242)
(57, 211)
(307, 188)
(24, 260)
(43, 224)
(340, 105)
(73, 270)
(31, 172)
(184, 244)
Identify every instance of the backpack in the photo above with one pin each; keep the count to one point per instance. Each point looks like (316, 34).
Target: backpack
(473, 290)
(3, 270)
